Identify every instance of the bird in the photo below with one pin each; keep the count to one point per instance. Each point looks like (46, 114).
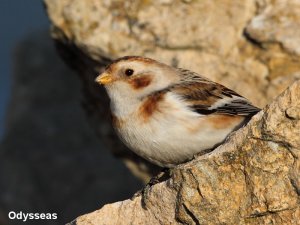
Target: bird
(168, 115)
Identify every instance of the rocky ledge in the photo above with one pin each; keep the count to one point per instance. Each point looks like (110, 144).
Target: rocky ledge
(254, 178)
(249, 45)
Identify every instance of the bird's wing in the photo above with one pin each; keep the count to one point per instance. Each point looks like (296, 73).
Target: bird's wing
(206, 97)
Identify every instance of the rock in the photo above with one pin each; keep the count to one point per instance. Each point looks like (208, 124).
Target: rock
(218, 39)
(254, 178)
(275, 31)
(278, 23)
(239, 55)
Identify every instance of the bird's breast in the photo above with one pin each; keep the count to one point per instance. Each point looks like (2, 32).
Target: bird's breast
(166, 133)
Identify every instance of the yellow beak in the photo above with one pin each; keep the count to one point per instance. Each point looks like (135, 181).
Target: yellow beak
(104, 78)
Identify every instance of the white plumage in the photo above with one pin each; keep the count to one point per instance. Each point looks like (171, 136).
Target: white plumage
(167, 115)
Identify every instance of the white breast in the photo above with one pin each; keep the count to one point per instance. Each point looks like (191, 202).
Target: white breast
(173, 134)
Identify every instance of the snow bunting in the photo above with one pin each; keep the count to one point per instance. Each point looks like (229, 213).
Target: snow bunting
(167, 115)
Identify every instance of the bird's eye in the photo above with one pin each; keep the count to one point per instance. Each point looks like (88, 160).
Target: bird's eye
(129, 72)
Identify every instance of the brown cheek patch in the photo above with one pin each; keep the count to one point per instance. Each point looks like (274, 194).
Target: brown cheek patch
(140, 82)
(150, 106)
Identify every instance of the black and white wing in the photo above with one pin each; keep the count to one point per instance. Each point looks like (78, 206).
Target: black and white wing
(206, 97)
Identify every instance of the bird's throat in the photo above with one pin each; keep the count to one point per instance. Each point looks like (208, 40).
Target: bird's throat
(123, 106)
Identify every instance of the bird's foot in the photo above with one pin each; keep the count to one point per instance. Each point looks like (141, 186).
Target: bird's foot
(144, 192)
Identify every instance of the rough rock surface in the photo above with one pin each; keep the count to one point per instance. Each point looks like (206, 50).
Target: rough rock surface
(278, 23)
(251, 46)
(254, 178)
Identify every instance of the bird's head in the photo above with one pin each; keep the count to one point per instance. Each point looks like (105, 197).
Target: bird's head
(136, 77)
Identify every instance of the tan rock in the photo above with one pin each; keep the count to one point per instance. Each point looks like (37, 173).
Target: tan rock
(204, 36)
(275, 31)
(254, 178)
(278, 23)
(250, 46)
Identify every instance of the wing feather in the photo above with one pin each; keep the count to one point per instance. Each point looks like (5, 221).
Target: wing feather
(206, 97)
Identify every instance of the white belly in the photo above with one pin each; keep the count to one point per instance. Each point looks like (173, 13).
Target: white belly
(168, 141)
(174, 133)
